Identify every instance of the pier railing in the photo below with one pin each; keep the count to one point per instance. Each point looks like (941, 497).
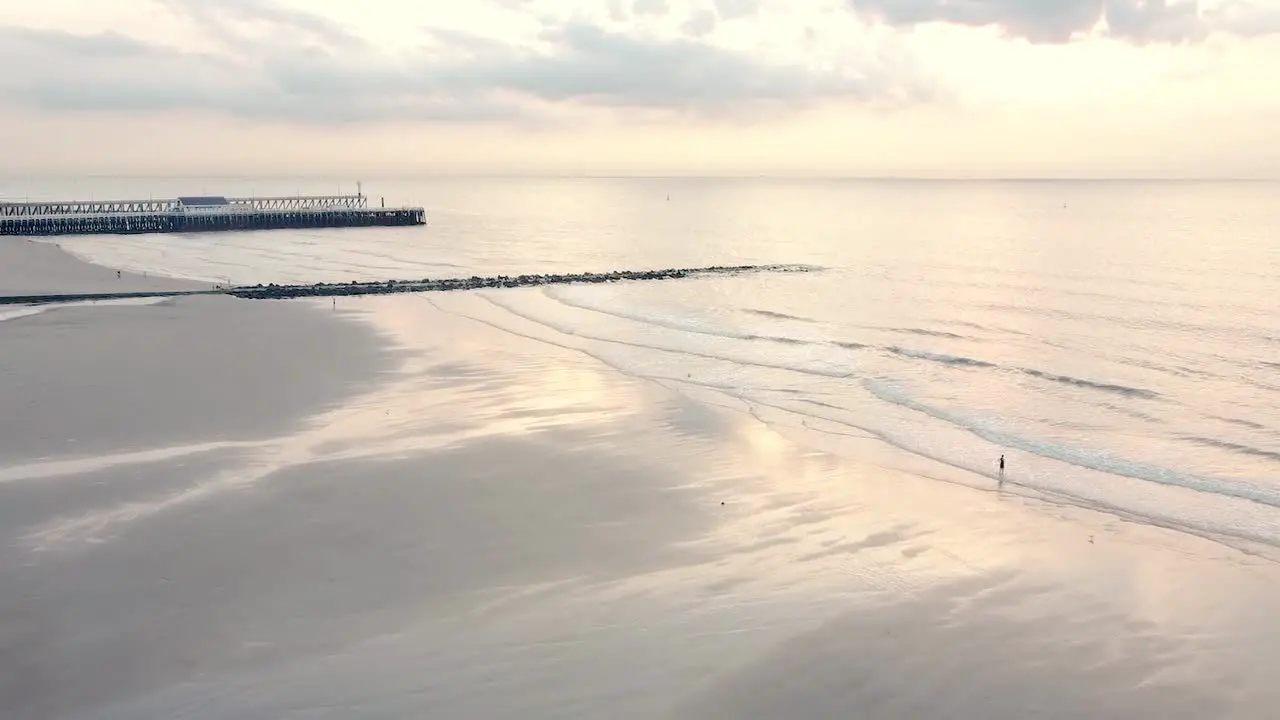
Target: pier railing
(200, 214)
(306, 202)
(37, 209)
(134, 207)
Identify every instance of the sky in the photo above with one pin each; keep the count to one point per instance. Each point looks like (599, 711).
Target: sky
(851, 88)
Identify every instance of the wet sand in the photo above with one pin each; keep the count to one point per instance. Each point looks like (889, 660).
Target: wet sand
(32, 267)
(98, 378)
(503, 527)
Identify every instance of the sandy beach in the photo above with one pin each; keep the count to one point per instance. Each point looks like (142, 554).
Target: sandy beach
(393, 508)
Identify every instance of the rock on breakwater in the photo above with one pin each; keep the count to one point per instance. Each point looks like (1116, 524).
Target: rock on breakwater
(475, 282)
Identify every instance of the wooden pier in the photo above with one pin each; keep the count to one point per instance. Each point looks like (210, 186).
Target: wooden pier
(200, 214)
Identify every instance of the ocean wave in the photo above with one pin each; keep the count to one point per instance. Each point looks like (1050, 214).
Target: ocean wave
(1091, 384)
(1233, 447)
(1135, 414)
(926, 332)
(986, 328)
(1253, 382)
(939, 358)
(1089, 459)
(1143, 322)
(960, 361)
(668, 323)
(1088, 495)
(1155, 366)
(1240, 422)
(963, 361)
(838, 373)
(777, 315)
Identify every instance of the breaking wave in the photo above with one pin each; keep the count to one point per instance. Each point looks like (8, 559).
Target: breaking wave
(777, 315)
(940, 358)
(1092, 385)
(926, 332)
(1233, 447)
(688, 326)
(1080, 457)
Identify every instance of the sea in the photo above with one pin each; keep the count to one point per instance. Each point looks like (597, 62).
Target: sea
(1118, 342)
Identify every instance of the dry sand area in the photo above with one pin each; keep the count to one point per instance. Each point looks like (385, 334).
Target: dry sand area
(222, 508)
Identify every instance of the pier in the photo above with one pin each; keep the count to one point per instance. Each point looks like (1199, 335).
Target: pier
(200, 214)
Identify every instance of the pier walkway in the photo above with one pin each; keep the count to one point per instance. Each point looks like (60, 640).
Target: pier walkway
(199, 214)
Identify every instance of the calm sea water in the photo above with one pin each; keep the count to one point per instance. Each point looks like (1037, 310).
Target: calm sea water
(1117, 341)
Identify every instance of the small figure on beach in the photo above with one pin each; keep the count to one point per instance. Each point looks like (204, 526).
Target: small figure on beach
(117, 274)
(1001, 477)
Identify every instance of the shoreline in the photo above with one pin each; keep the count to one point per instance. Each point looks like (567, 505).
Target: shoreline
(504, 526)
(130, 377)
(33, 267)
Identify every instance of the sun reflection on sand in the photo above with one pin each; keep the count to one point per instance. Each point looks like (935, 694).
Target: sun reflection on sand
(427, 404)
(837, 580)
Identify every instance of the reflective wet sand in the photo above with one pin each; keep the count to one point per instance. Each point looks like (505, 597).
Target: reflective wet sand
(433, 517)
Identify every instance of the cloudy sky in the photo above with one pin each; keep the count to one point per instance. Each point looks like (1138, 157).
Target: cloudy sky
(1013, 88)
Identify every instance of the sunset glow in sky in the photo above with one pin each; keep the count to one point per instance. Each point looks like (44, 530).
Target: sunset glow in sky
(951, 88)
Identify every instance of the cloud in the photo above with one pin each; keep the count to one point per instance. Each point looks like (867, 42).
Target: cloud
(275, 64)
(233, 22)
(619, 70)
(699, 24)
(649, 7)
(735, 9)
(617, 11)
(1246, 19)
(111, 73)
(1051, 21)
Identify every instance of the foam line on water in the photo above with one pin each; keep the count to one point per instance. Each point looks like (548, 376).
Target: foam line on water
(958, 360)
(688, 326)
(774, 315)
(1089, 459)
(1091, 384)
(1088, 495)
(899, 351)
(569, 330)
(955, 361)
(1239, 448)
(1131, 503)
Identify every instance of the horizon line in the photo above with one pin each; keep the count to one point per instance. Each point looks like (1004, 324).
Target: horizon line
(17, 177)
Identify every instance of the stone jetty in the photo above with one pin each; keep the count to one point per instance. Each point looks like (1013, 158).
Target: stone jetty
(475, 282)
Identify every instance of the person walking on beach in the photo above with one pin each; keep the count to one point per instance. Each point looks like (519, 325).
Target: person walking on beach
(1002, 468)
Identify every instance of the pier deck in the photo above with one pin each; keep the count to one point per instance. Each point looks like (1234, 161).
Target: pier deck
(199, 214)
